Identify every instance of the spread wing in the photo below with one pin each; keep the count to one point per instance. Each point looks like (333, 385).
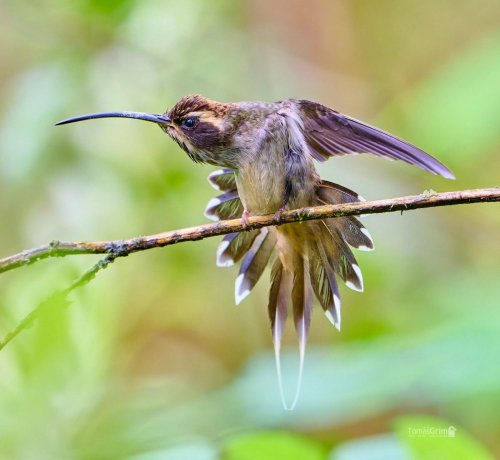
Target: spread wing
(329, 133)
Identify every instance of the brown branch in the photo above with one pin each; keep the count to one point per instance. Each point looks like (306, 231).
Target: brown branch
(121, 248)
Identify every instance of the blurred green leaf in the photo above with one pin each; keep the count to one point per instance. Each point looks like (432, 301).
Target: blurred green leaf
(272, 446)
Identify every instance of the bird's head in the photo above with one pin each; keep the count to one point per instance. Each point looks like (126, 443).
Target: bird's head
(200, 126)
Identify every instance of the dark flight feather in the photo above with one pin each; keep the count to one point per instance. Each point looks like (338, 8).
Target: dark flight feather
(329, 133)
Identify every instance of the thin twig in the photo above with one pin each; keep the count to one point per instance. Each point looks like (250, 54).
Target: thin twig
(59, 296)
(121, 248)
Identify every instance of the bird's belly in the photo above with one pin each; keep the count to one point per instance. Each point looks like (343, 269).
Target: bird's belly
(261, 190)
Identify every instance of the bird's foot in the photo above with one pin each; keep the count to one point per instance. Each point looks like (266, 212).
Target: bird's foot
(244, 219)
(278, 213)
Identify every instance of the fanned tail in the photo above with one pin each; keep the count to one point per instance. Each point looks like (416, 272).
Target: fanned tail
(307, 260)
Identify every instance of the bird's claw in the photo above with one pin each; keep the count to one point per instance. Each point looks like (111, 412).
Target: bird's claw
(277, 215)
(244, 219)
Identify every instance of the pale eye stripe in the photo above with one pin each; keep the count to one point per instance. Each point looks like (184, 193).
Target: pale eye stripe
(206, 116)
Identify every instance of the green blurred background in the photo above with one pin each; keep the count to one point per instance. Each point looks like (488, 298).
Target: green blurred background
(152, 360)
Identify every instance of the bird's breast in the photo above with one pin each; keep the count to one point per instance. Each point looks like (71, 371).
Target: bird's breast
(268, 183)
(261, 184)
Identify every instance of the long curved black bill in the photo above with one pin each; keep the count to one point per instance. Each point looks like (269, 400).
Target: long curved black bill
(154, 118)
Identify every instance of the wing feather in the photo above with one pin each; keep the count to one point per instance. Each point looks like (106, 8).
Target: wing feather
(330, 133)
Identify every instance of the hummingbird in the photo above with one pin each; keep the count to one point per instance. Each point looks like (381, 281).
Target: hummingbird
(266, 153)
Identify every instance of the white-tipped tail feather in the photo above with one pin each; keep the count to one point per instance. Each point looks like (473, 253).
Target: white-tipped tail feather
(239, 292)
(220, 260)
(330, 316)
(359, 275)
(363, 247)
(211, 205)
(222, 180)
(254, 263)
(302, 334)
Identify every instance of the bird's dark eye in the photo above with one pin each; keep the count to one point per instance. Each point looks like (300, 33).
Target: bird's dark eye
(189, 122)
